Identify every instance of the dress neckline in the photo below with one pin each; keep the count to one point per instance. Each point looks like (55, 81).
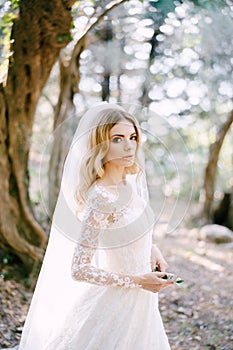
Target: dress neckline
(103, 190)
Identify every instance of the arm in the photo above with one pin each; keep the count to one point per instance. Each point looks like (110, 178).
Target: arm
(81, 269)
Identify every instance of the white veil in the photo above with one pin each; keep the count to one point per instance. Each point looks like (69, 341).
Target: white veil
(56, 291)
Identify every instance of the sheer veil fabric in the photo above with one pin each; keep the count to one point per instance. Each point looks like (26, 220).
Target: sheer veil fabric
(57, 293)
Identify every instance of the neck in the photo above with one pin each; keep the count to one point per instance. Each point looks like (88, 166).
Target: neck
(114, 174)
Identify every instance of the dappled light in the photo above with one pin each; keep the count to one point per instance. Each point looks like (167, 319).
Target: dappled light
(169, 63)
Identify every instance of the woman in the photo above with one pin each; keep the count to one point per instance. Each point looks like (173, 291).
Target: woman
(97, 288)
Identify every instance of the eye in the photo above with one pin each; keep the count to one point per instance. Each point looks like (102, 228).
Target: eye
(134, 138)
(117, 139)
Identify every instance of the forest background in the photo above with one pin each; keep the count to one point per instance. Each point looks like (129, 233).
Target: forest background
(167, 62)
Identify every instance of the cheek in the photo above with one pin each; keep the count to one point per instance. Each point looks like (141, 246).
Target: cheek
(115, 151)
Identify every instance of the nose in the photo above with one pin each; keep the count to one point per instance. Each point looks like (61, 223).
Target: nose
(128, 144)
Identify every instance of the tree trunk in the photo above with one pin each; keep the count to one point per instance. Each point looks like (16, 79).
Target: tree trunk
(211, 168)
(63, 132)
(40, 31)
(106, 86)
(222, 215)
(106, 36)
(144, 99)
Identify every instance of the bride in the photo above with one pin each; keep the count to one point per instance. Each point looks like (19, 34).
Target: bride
(97, 288)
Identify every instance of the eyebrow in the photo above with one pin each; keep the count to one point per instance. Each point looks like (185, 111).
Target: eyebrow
(134, 133)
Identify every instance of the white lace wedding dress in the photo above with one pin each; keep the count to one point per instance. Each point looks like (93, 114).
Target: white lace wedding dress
(114, 313)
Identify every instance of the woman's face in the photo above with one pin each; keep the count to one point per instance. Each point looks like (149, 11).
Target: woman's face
(123, 144)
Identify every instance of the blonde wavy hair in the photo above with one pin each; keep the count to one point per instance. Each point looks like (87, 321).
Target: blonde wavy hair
(92, 166)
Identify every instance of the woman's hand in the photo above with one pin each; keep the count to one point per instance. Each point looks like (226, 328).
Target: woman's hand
(157, 259)
(153, 281)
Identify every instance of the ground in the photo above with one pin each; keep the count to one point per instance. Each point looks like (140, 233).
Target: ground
(200, 314)
(197, 315)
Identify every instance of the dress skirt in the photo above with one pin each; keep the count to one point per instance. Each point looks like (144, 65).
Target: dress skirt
(113, 318)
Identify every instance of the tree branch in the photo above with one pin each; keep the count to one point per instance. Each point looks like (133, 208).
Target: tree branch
(49, 101)
(109, 7)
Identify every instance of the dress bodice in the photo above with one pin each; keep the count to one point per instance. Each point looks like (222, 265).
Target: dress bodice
(125, 244)
(116, 236)
(130, 259)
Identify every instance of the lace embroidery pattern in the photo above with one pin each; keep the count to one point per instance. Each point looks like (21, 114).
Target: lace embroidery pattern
(96, 218)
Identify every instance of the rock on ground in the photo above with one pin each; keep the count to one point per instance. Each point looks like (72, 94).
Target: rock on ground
(216, 234)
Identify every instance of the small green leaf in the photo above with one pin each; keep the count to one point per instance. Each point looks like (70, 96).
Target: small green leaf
(60, 38)
(179, 281)
(64, 37)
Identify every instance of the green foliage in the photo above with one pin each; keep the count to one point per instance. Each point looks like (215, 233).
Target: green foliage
(64, 37)
(27, 283)
(161, 10)
(214, 4)
(7, 259)
(15, 4)
(190, 42)
(72, 25)
(75, 7)
(11, 267)
(8, 13)
(26, 181)
(6, 22)
(164, 6)
(195, 51)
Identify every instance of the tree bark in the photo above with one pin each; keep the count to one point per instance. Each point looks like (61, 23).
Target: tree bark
(40, 31)
(211, 168)
(69, 82)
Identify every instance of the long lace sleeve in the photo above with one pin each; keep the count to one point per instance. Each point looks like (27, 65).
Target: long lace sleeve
(82, 269)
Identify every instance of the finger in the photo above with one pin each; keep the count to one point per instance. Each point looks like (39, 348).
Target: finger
(168, 282)
(165, 282)
(163, 266)
(160, 274)
(153, 266)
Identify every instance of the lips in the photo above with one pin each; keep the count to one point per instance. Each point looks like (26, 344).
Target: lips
(129, 157)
